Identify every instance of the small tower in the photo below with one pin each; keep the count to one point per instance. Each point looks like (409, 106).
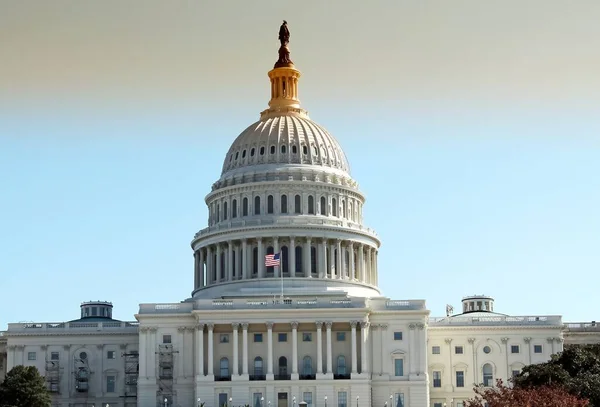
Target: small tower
(96, 309)
(478, 303)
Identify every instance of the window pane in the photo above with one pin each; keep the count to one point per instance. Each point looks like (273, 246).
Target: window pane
(399, 367)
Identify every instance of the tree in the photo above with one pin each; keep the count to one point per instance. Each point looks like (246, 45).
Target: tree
(542, 396)
(24, 387)
(576, 369)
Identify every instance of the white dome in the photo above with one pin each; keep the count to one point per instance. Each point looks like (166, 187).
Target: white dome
(285, 139)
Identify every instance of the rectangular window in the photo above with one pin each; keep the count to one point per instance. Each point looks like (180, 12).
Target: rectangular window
(515, 373)
(307, 397)
(111, 354)
(460, 379)
(435, 350)
(222, 399)
(399, 400)
(341, 336)
(282, 337)
(307, 337)
(398, 367)
(224, 338)
(537, 348)
(514, 348)
(110, 384)
(397, 336)
(460, 404)
(54, 356)
(31, 356)
(166, 338)
(436, 404)
(458, 350)
(342, 399)
(258, 338)
(437, 379)
(257, 399)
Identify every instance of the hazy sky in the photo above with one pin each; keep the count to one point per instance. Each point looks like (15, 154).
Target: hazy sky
(472, 126)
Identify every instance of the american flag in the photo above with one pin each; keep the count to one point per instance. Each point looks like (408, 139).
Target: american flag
(272, 260)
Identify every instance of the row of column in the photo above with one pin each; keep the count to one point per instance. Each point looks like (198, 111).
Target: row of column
(335, 259)
(321, 369)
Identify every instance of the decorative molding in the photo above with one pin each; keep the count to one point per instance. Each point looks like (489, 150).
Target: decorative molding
(412, 326)
(504, 340)
(123, 346)
(100, 346)
(294, 324)
(210, 326)
(144, 329)
(420, 325)
(319, 324)
(181, 329)
(353, 324)
(44, 347)
(550, 340)
(200, 327)
(383, 327)
(66, 347)
(328, 325)
(527, 339)
(244, 326)
(153, 329)
(448, 340)
(235, 326)
(269, 325)
(365, 324)
(471, 340)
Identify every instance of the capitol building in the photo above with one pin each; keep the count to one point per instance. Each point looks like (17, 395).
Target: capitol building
(286, 309)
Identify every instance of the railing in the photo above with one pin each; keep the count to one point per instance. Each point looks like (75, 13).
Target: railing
(285, 303)
(282, 377)
(255, 377)
(283, 220)
(223, 378)
(54, 327)
(582, 326)
(339, 376)
(307, 377)
(551, 320)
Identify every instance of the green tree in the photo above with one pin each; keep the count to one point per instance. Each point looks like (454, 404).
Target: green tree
(24, 387)
(576, 369)
(542, 396)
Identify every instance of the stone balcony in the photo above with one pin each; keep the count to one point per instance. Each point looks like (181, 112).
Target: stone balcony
(52, 328)
(495, 320)
(592, 326)
(382, 304)
(284, 221)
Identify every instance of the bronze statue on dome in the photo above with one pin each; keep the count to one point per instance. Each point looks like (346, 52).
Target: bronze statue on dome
(284, 52)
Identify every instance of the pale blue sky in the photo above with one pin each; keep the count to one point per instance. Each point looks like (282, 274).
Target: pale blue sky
(479, 158)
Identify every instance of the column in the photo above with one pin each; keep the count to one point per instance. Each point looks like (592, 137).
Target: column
(351, 271)
(319, 347)
(332, 261)
(322, 259)
(230, 262)
(219, 271)
(210, 349)
(201, 265)
(244, 270)
(329, 367)
(196, 270)
(244, 348)
(179, 356)
(343, 263)
(238, 262)
(209, 265)
(375, 274)
(200, 350)
(368, 266)
(261, 258)
(307, 257)
(339, 270)
(384, 328)
(361, 263)
(269, 348)
(551, 342)
(294, 348)
(364, 336)
(423, 351)
(292, 257)
(277, 270)
(151, 368)
(413, 349)
(354, 355)
(236, 348)
(143, 353)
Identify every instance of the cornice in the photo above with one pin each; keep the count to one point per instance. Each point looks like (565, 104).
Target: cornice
(62, 334)
(492, 328)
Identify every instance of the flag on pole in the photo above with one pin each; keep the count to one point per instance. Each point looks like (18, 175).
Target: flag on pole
(272, 260)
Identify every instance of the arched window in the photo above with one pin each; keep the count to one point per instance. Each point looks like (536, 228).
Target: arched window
(270, 269)
(284, 206)
(234, 208)
(218, 213)
(214, 267)
(313, 260)
(283, 149)
(298, 204)
(284, 260)
(311, 204)
(341, 364)
(257, 205)
(245, 207)
(488, 375)
(323, 206)
(334, 208)
(298, 259)
(224, 367)
(344, 215)
(282, 366)
(258, 366)
(350, 211)
(255, 260)
(294, 149)
(270, 204)
(307, 366)
(224, 210)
